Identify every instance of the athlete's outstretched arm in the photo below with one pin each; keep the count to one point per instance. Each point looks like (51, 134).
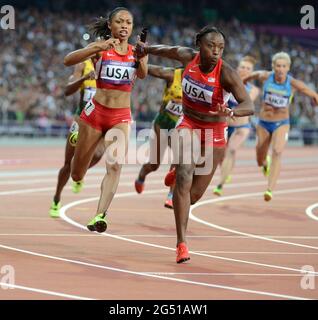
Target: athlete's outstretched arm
(165, 73)
(304, 89)
(76, 79)
(260, 75)
(232, 82)
(89, 51)
(182, 54)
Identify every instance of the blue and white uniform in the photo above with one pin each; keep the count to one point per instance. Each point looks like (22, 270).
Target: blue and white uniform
(232, 103)
(277, 95)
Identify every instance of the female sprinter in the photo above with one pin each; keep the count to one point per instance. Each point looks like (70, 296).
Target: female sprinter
(239, 128)
(273, 126)
(206, 84)
(83, 78)
(116, 70)
(166, 119)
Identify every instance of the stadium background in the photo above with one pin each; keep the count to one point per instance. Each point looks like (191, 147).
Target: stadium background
(32, 74)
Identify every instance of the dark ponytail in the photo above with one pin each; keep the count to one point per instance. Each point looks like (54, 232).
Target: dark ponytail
(99, 28)
(206, 30)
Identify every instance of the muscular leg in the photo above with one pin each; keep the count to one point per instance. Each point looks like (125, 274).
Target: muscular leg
(113, 166)
(65, 171)
(99, 152)
(181, 192)
(201, 182)
(279, 141)
(156, 155)
(236, 140)
(88, 139)
(263, 142)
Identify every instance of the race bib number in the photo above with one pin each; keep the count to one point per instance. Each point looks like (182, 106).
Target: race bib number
(74, 127)
(276, 100)
(88, 94)
(174, 108)
(89, 107)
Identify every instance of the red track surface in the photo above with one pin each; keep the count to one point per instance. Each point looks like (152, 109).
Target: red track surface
(242, 247)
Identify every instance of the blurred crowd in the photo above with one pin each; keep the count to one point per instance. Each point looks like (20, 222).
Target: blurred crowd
(32, 74)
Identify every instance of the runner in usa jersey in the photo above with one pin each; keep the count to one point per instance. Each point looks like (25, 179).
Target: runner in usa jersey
(273, 125)
(116, 68)
(116, 71)
(206, 84)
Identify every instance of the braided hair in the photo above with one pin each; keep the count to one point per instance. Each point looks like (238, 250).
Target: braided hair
(99, 27)
(205, 30)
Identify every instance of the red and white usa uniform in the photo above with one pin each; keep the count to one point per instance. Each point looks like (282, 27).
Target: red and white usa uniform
(203, 92)
(116, 72)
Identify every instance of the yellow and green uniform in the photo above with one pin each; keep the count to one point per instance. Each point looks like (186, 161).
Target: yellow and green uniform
(171, 109)
(88, 87)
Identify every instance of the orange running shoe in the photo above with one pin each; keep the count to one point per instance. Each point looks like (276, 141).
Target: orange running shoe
(139, 186)
(182, 253)
(170, 178)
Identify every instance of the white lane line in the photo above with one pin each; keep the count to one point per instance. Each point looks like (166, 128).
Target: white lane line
(51, 293)
(98, 175)
(88, 177)
(259, 252)
(54, 172)
(46, 234)
(143, 235)
(204, 284)
(248, 195)
(310, 213)
(159, 181)
(135, 168)
(127, 194)
(224, 274)
(86, 186)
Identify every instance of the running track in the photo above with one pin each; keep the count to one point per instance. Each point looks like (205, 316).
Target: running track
(241, 247)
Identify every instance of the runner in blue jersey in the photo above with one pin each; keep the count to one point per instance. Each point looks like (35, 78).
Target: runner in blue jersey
(273, 127)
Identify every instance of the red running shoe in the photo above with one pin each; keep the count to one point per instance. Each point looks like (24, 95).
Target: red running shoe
(182, 253)
(169, 204)
(139, 186)
(170, 178)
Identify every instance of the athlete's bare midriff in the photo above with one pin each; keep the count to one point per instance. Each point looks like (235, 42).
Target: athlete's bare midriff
(202, 116)
(269, 113)
(113, 98)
